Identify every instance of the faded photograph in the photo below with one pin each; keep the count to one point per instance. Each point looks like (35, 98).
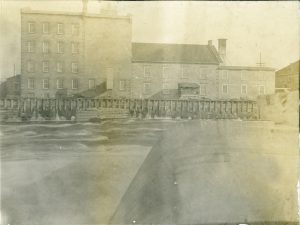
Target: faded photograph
(155, 112)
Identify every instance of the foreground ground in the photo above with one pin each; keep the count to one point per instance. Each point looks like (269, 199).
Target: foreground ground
(78, 173)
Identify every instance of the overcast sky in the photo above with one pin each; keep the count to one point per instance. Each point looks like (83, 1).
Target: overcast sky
(271, 28)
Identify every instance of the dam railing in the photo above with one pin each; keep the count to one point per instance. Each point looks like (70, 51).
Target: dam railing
(69, 107)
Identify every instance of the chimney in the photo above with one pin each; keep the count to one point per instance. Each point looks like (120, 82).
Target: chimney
(222, 49)
(210, 42)
(84, 6)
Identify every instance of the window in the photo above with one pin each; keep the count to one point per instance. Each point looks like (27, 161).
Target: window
(75, 47)
(45, 47)
(45, 83)
(184, 74)
(31, 27)
(244, 89)
(74, 84)
(147, 88)
(224, 75)
(74, 67)
(75, 29)
(59, 67)
(202, 89)
(30, 83)
(91, 83)
(225, 88)
(30, 46)
(261, 89)
(60, 47)
(45, 66)
(60, 28)
(122, 85)
(147, 72)
(59, 84)
(30, 66)
(45, 28)
(165, 72)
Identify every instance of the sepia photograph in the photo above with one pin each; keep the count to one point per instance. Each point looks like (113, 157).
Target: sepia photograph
(149, 112)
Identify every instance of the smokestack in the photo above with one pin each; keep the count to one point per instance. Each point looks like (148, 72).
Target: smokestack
(222, 49)
(210, 42)
(84, 6)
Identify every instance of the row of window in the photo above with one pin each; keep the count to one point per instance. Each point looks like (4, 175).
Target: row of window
(244, 89)
(166, 73)
(202, 72)
(60, 47)
(44, 27)
(74, 84)
(60, 67)
(59, 83)
(244, 75)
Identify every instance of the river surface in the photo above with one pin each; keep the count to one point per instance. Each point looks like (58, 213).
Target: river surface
(70, 173)
(78, 173)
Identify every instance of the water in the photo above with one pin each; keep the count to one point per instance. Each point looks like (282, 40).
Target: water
(77, 173)
(53, 172)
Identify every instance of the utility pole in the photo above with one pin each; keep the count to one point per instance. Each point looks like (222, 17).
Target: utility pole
(260, 63)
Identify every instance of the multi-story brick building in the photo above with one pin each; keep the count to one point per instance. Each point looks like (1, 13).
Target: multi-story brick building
(65, 53)
(194, 71)
(288, 77)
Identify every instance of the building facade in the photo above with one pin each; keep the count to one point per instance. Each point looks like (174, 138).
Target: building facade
(92, 55)
(168, 70)
(241, 82)
(63, 54)
(288, 77)
(158, 69)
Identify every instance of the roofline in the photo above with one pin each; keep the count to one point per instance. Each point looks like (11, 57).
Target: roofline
(80, 14)
(173, 62)
(290, 65)
(246, 68)
(160, 43)
(215, 53)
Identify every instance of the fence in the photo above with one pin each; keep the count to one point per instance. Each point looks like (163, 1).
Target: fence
(29, 108)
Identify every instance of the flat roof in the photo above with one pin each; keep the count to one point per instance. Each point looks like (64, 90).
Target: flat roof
(64, 13)
(250, 68)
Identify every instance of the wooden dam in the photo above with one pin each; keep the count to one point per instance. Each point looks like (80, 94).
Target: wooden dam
(85, 109)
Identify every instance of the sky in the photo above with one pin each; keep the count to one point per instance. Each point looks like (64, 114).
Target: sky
(251, 28)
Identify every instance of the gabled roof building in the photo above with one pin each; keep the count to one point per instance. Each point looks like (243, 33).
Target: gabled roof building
(184, 71)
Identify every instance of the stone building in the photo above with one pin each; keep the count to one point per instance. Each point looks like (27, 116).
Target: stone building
(158, 69)
(92, 55)
(65, 53)
(166, 71)
(242, 82)
(288, 77)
